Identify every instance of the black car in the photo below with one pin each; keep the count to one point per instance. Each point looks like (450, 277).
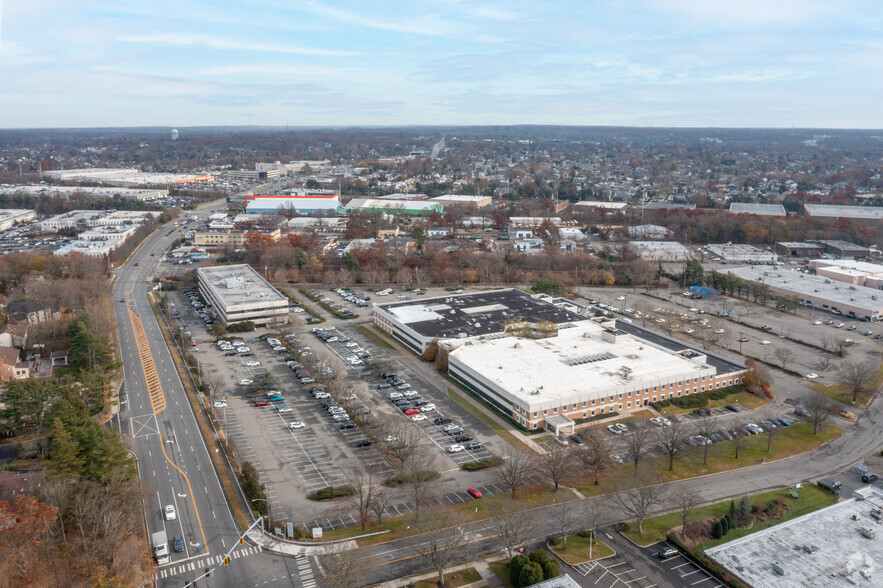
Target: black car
(732, 407)
(576, 439)
(178, 543)
(454, 431)
(418, 402)
(473, 445)
(442, 420)
(702, 411)
(364, 443)
(463, 438)
(869, 478)
(348, 425)
(230, 353)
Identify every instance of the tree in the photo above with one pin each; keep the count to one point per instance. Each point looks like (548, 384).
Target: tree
(594, 454)
(739, 436)
(360, 503)
(692, 273)
(515, 566)
(513, 527)
(25, 528)
(249, 479)
(743, 511)
(684, 500)
(637, 501)
(529, 574)
(567, 518)
(783, 355)
(854, 376)
(770, 432)
(818, 412)
(513, 470)
(419, 238)
(64, 452)
(550, 567)
(89, 347)
(550, 287)
(554, 464)
(442, 541)
(834, 345)
(637, 446)
(671, 440)
(341, 566)
(705, 426)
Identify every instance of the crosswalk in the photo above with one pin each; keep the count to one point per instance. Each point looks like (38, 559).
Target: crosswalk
(306, 571)
(207, 562)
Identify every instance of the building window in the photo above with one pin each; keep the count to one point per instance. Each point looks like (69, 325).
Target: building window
(620, 396)
(534, 415)
(555, 410)
(703, 387)
(694, 389)
(584, 414)
(654, 399)
(584, 404)
(593, 412)
(628, 404)
(593, 402)
(574, 405)
(679, 394)
(629, 394)
(620, 406)
(545, 412)
(663, 386)
(534, 426)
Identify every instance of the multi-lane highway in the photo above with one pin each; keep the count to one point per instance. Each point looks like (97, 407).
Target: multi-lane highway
(172, 458)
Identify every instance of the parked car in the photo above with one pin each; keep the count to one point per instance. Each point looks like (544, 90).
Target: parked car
(261, 402)
(442, 420)
(418, 417)
(783, 422)
(614, 430)
(347, 425)
(455, 448)
(869, 478)
(364, 443)
(295, 425)
(463, 438)
(473, 492)
(219, 403)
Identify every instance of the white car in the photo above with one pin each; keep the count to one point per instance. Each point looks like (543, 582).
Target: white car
(220, 403)
(694, 310)
(246, 382)
(620, 298)
(390, 438)
(427, 407)
(418, 417)
(252, 363)
(817, 322)
(811, 376)
(719, 331)
(688, 331)
(839, 326)
(353, 360)
(170, 513)
(455, 448)
(295, 425)
(614, 430)
(296, 309)
(352, 344)
(764, 342)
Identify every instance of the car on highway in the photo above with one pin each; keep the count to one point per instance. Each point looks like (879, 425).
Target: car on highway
(295, 425)
(455, 448)
(170, 513)
(178, 541)
(418, 417)
(473, 492)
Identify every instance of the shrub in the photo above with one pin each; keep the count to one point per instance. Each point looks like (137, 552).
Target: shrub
(584, 534)
(332, 492)
(531, 573)
(725, 525)
(551, 569)
(241, 327)
(515, 565)
(474, 466)
(743, 511)
(718, 530)
(539, 556)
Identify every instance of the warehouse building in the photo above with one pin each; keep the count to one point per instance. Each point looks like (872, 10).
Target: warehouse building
(845, 249)
(410, 207)
(125, 177)
(309, 204)
(238, 293)
(799, 249)
(660, 250)
(830, 547)
(739, 252)
(758, 209)
(821, 293)
(44, 191)
(611, 206)
(586, 369)
(857, 273)
(462, 200)
(862, 213)
(9, 217)
(230, 237)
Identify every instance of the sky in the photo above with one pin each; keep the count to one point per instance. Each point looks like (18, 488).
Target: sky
(659, 63)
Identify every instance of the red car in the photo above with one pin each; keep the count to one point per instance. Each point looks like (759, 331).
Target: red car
(744, 340)
(473, 492)
(262, 402)
(411, 411)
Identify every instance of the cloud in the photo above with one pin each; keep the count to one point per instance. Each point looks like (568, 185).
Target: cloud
(426, 25)
(13, 53)
(186, 39)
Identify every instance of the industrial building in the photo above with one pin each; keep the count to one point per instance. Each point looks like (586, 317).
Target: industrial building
(603, 205)
(9, 217)
(857, 273)
(758, 209)
(845, 249)
(660, 250)
(462, 200)
(586, 369)
(323, 224)
(831, 547)
(77, 219)
(417, 323)
(649, 232)
(864, 213)
(669, 206)
(44, 191)
(740, 252)
(238, 293)
(125, 177)
(411, 207)
(821, 293)
(799, 249)
(300, 204)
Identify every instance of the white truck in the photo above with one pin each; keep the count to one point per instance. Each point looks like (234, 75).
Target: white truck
(161, 547)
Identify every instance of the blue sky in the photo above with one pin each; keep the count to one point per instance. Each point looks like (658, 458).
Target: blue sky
(764, 63)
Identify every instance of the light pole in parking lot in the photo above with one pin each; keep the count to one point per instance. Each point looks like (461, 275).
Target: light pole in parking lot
(741, 336)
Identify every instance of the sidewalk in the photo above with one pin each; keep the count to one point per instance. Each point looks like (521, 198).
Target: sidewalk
(273, 545)
(488, 577)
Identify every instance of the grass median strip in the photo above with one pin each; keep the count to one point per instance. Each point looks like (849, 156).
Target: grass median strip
(496, 427)
(578, 551)
(842, 393)
(375, 337)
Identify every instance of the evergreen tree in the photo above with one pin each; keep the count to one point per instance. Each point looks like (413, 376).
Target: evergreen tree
(515, 565)
(743, 512)
(64, 451)
(717, 531)
(531, 573)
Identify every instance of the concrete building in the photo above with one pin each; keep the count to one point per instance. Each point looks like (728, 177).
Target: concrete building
(758, 209)
(649, 232)
(45, 191)
(90, 248)
(863, 213)
(832, 547)
(312, 204)
(9, 217)
(125, 177)
(857, 273)
(410, 207)
(232, 237)
(403, 196)
(660, 250)
(602, 205)
(417, 323)
(462, 200)
(322, 224)
(79, 219)
(740, 252)
(586, 369)
(572, 233)
(256, 175)
(795, 249)
(107, 233)
(821, 293)
(845, 249)
(238, 293)
(669, 206)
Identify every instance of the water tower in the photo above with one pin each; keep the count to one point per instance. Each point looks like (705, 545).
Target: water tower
(174, 134)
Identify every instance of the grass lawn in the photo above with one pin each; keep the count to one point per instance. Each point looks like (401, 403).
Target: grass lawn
(843, 394)
(491, 422)
(375, 337)
(789, 441)
(656, 529)
(453, 579)
(578, 550)
(501, 569)
(747, 399)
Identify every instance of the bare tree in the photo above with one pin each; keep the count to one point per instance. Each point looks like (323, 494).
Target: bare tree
(637, 445)
(684, 500)
(567, 518)
(419, 465)
(705, 426)
(739, 436)
(441, 542)
(637, 501)
(554, 465)
(770, 432)
(380, 500)
(592, 512)
(711, 335)
(514, 527)
(366, 484)
(341, 567)
(818, 411)
(671, 441)
(855, 376)
(783, 355)
(513, 470)
(594, 454)
(834, 345)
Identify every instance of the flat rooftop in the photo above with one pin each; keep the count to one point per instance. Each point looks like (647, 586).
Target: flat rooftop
(845, 246)
(577, 363)
(799, 244)
(842, 552)
(754, 208)
(482, 313)
(239, 284)
(837, 211)
(670, 246)
(734, 249)
(810, 286)
(863, 267)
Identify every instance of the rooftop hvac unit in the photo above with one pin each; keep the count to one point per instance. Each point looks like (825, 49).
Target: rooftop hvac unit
(867, 532)
(780, 568)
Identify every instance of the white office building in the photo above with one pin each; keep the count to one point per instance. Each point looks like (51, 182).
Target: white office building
(238, 293)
